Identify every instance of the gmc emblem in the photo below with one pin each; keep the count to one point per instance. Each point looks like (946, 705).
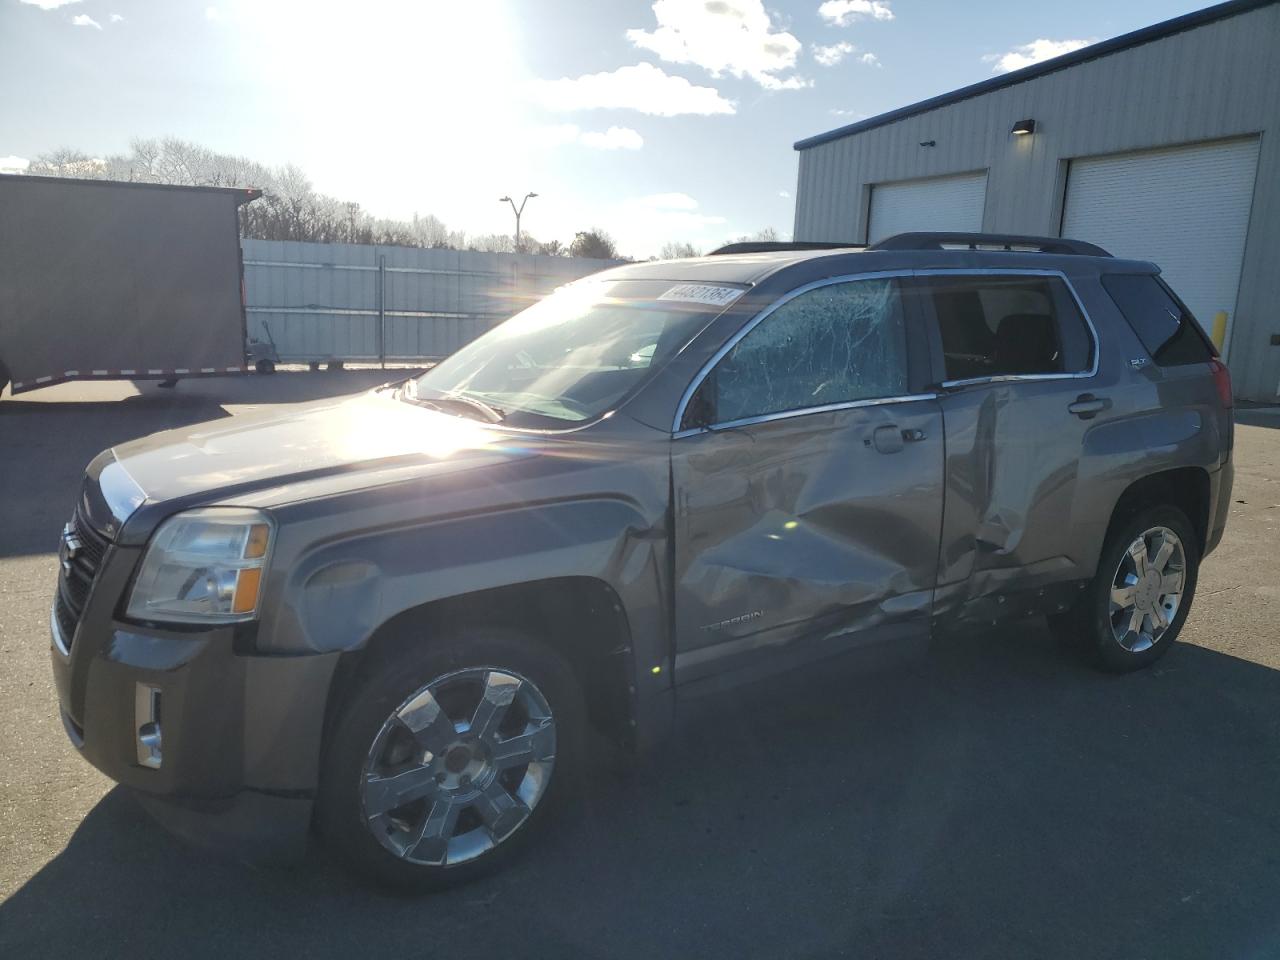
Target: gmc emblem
(68, 548)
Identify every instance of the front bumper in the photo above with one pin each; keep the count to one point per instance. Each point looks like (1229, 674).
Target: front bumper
(222, 747)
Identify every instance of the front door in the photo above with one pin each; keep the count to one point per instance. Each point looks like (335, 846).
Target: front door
(808, 486)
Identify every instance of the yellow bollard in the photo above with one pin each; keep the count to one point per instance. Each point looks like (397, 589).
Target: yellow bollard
(1219, 328)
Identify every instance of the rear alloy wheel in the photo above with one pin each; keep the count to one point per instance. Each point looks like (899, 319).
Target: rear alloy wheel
(1134, 608)
(1146, 590)
(459, 766)
(448, 755)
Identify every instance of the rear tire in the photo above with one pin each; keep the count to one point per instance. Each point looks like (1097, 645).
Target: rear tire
(265, 366)
(445, 720)
(1131, 614)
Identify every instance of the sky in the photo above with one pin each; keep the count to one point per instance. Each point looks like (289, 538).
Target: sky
(655, 120)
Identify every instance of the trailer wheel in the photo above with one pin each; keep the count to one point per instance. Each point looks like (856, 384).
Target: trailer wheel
(265, 365)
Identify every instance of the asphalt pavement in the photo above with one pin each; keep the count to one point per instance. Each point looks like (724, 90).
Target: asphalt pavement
(993, 799)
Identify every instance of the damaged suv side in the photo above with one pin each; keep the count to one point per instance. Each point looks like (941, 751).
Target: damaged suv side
(394, 616)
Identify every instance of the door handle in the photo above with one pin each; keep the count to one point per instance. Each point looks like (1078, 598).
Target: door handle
(888, 439)
(1087, 406)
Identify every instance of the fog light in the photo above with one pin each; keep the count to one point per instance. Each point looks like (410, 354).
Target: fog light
(146, 715)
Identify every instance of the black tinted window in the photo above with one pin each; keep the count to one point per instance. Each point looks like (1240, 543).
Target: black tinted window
(1165, 327)
(835, 344)
(1002, 326)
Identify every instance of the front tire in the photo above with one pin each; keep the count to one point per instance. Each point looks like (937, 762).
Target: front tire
(1134, 609)
(448, 757)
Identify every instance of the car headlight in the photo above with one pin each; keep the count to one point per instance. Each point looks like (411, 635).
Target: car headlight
(204, 566)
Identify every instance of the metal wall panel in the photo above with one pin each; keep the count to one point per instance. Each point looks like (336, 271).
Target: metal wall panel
(1214, 82)
(340, 301)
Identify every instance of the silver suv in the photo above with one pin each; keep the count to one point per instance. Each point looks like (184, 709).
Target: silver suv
(394, 616)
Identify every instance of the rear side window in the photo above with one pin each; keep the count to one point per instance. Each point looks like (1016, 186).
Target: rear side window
(993, 326)
(1165, 327)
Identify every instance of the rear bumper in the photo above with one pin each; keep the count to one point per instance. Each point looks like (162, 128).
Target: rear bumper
(1220, 483)
(218, 745)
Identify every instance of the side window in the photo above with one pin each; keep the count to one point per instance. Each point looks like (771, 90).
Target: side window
(834, 344)
(993, 326)
(1165, 327)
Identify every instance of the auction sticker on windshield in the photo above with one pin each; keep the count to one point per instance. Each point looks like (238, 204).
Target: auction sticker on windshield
(703, 293)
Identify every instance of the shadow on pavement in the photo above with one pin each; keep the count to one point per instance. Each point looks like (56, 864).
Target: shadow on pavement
(995, 799)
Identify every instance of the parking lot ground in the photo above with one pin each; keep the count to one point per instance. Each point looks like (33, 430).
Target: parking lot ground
(993, 799)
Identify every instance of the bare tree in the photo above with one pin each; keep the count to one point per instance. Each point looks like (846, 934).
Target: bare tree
(493, 243)
(767, 235)
(678, 251)
(290, 207)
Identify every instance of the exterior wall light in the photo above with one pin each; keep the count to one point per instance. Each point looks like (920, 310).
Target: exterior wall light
(1024, 127)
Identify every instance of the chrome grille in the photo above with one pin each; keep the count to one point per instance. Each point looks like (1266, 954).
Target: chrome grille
(80, 556)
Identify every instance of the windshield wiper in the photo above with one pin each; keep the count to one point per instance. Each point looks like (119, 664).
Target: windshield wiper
(490, 414)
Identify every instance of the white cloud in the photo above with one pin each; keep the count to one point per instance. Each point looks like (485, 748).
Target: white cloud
(212, 13)
(14, 164)
(658, 217)
(1033, 52)
(854, 115)
(642, 87)
(615, 138)
(844, 12)
(116, 18)
(48, 4)
(668, 201)
(84, 20)
(723, 36)
(785, 194)
(871, 60)
(829, 56)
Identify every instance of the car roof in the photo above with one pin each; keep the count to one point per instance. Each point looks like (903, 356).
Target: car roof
(752, 268)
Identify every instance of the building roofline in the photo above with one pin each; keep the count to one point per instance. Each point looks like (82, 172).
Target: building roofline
(1158, 31)
(239, 194)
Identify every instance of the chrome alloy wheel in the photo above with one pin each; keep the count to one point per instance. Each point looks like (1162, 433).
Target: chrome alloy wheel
(459, 766)
(1147, 589)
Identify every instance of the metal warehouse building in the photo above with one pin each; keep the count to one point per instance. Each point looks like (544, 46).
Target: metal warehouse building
(1163, 145)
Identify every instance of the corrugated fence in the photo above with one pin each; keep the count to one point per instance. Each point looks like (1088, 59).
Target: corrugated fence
(341, 301)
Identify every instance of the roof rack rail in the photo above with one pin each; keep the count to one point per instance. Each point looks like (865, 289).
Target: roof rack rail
(976, 241)
(776, 246)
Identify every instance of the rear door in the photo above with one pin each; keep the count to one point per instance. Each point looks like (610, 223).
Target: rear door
(1020, 388)
(808, 485)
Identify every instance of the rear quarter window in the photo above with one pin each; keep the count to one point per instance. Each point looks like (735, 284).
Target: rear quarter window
(1166, 327)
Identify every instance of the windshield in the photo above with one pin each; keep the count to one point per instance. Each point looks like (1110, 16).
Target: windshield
(573, 356)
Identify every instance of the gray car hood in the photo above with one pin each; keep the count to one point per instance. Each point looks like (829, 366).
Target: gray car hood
(302, 448)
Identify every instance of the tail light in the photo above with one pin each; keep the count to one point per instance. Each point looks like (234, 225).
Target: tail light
(1222, 380)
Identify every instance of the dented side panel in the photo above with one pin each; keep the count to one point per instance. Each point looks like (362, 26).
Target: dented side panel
(1013, 455)
(796, 532)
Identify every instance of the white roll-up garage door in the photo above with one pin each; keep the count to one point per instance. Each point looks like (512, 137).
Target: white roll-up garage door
(1184, 208)
(938, 204)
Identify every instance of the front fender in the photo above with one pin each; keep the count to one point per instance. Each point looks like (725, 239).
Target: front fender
(337, 593)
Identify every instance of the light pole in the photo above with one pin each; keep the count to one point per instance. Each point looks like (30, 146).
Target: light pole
(517, 211)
